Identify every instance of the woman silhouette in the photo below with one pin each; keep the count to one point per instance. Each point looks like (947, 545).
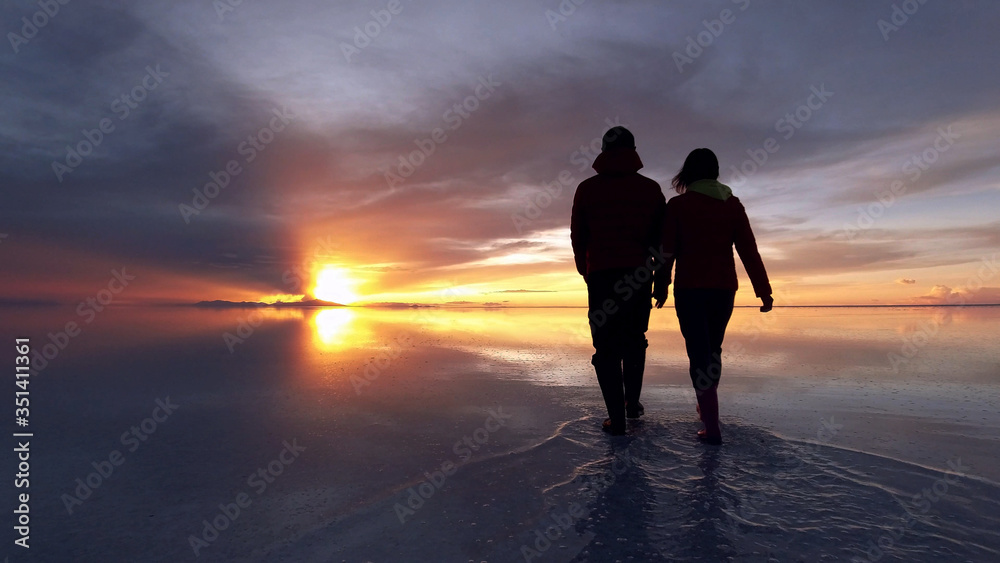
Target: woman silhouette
(701, 226)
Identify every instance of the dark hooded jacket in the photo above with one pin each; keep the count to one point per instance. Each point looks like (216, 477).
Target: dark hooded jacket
(617, 214)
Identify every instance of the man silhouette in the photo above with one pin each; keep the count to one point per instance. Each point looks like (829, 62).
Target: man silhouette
(615, 226)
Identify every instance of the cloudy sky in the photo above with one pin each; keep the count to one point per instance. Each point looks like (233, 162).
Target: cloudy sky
(430, 150)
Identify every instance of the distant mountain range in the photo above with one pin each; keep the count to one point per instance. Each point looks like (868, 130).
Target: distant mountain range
(218, 304)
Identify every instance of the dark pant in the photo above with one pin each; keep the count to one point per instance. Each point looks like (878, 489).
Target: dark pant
(619, 317)
(703, 315)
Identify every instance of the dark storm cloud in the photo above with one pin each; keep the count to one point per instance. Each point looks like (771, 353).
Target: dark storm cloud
(123, 198)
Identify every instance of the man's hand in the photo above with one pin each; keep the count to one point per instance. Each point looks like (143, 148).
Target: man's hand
(768, 303)
(660, 294)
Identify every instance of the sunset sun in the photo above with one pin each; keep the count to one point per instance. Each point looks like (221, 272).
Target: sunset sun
(334, 284)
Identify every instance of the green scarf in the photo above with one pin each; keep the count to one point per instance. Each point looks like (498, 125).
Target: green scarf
(711, 188)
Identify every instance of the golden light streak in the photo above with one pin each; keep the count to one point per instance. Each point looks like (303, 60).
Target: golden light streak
(332, 328)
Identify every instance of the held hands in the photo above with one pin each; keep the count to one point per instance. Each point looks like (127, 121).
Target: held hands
(768, 303)
(660, 294)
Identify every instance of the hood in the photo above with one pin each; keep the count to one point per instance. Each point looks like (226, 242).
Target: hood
(617, 161)
(711, 188)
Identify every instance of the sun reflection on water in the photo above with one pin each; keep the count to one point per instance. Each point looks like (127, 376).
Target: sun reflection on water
(332, 328)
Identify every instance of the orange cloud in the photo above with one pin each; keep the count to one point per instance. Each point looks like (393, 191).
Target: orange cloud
(944, 295)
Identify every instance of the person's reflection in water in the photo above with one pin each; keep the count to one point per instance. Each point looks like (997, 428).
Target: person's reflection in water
(623, 513)
(701, 533)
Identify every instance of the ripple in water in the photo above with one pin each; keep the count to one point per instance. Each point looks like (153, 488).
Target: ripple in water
(660, 495)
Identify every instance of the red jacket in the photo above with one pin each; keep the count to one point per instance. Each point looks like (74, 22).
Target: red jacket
(700, 231)
(617, 214)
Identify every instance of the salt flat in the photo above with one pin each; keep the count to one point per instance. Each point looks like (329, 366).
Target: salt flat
(453, 435)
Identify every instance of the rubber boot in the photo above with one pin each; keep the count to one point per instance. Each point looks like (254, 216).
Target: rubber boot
(708, 405)
(633, 366)
(609, 376)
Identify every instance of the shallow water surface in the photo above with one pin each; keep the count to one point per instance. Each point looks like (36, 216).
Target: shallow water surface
(850, 433)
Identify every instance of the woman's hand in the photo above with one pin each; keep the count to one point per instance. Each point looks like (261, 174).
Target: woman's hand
(660, 294)
(768, 303)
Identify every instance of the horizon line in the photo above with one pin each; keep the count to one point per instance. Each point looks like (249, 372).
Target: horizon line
(261, 305)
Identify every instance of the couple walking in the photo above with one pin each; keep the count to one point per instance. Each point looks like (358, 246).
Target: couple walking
(626, 239)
